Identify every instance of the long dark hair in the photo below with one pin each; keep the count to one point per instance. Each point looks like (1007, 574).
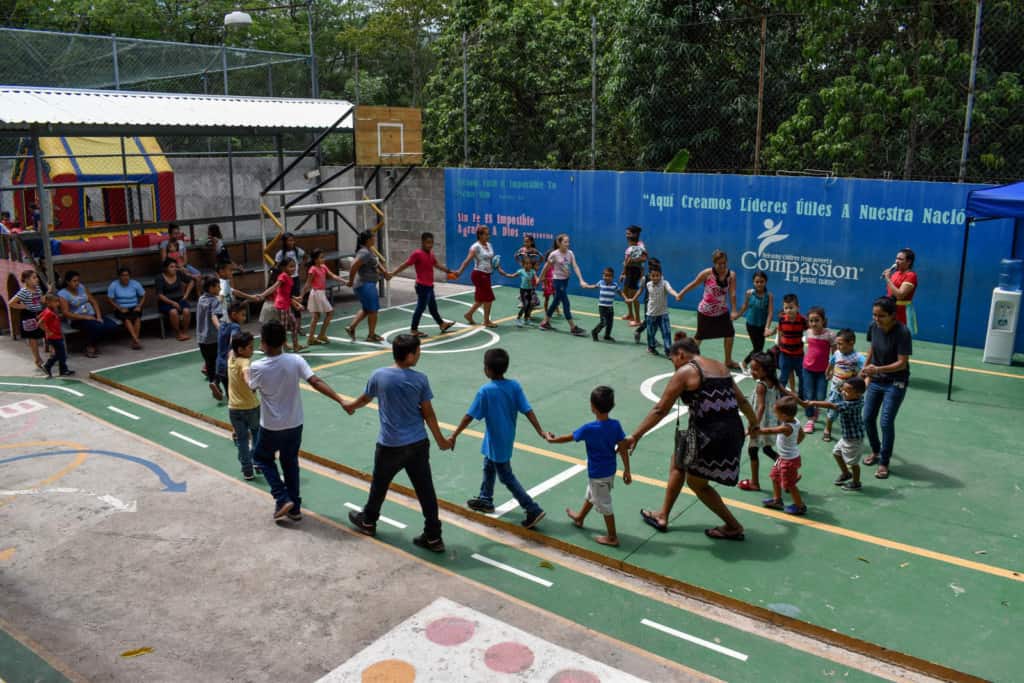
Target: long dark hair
(771, 371)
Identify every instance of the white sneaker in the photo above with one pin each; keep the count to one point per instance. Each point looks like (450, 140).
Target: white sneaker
(519, 322)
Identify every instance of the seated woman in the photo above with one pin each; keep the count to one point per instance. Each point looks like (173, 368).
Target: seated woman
(78, 307)
(172, 290)
(127, 296)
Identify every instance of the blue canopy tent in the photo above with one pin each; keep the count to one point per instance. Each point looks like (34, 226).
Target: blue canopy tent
(991, 203)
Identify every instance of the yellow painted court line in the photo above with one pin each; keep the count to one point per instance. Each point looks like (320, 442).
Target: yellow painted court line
(766, 512)
(915, 361)
(64, 471)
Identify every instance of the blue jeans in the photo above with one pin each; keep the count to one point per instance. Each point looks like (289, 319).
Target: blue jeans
(246, 424)
(812, 388)
(562, 296)
(94, 329)
(503, 470)
(658, 323)
(286, 443)
(884, 398)
(790, 365)
(425, 299)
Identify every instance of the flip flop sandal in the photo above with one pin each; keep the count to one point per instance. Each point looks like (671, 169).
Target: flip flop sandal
(447, 326)
(870, 460)
(417, 333)
(734, 366)
(717, 534)
(375, 338)
(651, 520)
(827, 436)
(490, 324)
(882, 473)
(745, 485)
(351, 332)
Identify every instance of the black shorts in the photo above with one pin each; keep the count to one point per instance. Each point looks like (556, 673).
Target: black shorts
(633, 275)
(33, 334)
(127, 315)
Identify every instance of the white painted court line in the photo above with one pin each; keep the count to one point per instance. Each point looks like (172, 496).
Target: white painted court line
(678, 411)
(191, 441)
(512, 570)
(387, 520)
(42, 386)
(695, 640)
(146, 360)
(123, 412)
(539, 489)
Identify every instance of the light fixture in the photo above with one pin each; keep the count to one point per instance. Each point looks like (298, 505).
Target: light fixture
(237, 18)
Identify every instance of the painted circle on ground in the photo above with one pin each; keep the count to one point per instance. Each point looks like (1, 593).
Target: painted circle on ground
(574, 676)
(450, 631)
(389, 671)
(508, 657)
(428, 347)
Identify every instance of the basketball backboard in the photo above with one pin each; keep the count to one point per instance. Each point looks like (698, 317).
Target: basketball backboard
(389, 136)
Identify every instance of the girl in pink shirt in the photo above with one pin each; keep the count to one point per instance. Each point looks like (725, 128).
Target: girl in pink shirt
(424, 261)
(821, 342)
(316, 285)
(284, 301)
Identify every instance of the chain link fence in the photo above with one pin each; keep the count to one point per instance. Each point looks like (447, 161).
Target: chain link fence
(875, 90)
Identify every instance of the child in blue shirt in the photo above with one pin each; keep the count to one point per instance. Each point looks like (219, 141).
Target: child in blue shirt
(498, 403)
(601, 436)
(527, 275)
(607, 289)
(227, 330)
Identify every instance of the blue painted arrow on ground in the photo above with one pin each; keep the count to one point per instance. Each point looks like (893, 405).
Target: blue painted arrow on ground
(170, 485)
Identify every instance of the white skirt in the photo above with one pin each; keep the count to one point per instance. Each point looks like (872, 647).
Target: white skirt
(318, 302)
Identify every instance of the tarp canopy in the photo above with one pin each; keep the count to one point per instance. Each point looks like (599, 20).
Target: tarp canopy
(1005, 201)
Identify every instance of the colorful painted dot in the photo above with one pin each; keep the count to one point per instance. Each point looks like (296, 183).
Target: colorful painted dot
(508, 658)
(389, 671)
(450, 631)
(574, 676)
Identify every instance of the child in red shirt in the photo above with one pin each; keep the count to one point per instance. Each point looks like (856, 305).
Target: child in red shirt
(49, 320)
(424, 261)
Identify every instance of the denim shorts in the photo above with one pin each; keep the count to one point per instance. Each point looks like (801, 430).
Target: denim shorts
(368, 297)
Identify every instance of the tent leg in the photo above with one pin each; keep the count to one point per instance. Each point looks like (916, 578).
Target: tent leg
(959, 300)
(45, 214)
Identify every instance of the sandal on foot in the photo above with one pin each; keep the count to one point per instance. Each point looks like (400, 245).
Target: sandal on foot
(417, 333)
(870, 460)
(720, 534)
(374, 338)
(773, 503)
(323, 338)
(734, 366)
(651, 520)
(447, 326)
(747, 485)
(797, 510)
(844, 477)
(351, 332)
(490, 324)
(882, 472)
(826, 436)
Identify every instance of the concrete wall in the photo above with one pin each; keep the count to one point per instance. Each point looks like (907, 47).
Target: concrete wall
(417, 207)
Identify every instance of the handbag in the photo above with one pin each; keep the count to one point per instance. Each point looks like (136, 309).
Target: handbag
(29, 323)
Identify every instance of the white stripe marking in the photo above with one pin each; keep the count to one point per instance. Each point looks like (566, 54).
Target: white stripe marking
(695, 640)
(123, 412)
(512, 570)
(146, 360)
(42, 386)
(191, 441)
(387, 520)
(539, 489)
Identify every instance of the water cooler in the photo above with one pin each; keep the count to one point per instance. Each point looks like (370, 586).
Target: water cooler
(1003, 315)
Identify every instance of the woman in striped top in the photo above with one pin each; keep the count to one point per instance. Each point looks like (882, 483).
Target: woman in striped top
(29, 299)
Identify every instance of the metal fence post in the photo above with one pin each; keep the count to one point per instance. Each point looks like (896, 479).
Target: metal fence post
(970, 98)
(760, 95)
(593, 91)
(465, 103)
(117, 68)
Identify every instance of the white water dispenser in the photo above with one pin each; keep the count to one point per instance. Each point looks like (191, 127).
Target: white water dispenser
(1002, 326)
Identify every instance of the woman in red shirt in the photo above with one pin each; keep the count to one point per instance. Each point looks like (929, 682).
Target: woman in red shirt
(900, 284)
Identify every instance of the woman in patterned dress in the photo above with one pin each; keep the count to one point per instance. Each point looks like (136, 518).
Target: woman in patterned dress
(709, 450)
(714, 316)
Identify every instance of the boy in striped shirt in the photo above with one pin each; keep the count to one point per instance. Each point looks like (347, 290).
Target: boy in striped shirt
(608, 288)
(791, 327)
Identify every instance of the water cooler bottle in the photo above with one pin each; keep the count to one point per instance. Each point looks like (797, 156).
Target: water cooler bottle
(1001, 333)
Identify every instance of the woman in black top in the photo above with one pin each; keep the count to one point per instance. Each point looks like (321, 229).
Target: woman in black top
(172, 292)
(710, 448)
(887, 371)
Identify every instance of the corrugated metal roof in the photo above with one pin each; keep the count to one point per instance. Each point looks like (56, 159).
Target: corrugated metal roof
(58, 110)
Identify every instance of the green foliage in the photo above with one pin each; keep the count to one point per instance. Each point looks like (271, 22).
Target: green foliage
(679, 162)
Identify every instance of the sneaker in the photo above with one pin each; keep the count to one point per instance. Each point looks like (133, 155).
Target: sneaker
(283, 509)
(533, 520)
(519, 322)
(66, 373)
(773, 503)
(851, 486)
(653, 352)
(248, 475)
(435, 545)
(636, 336)
(795, 510)
(360, 523)
(846, 476)
(480, 505)
(611, 339)
(215, 390)
(295, 516)
(545, 326)
(258, 471)
(578, 332)
(48, 371)
(809, 427)
(593, 334)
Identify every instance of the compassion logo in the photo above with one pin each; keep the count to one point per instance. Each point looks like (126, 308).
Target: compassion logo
(796, 268)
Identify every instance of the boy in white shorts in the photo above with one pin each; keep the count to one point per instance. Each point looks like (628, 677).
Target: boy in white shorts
(602, 436)
(851, 416)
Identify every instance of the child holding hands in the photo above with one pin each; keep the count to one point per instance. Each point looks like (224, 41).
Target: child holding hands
(602, 437)
(786, 471)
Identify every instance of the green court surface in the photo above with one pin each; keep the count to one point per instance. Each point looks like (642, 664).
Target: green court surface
(925, 563)
(656, 626)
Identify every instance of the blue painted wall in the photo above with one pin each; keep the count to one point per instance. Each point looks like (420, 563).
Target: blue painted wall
(826, 240)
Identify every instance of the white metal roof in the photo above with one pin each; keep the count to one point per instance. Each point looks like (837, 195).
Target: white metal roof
(68, 111)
